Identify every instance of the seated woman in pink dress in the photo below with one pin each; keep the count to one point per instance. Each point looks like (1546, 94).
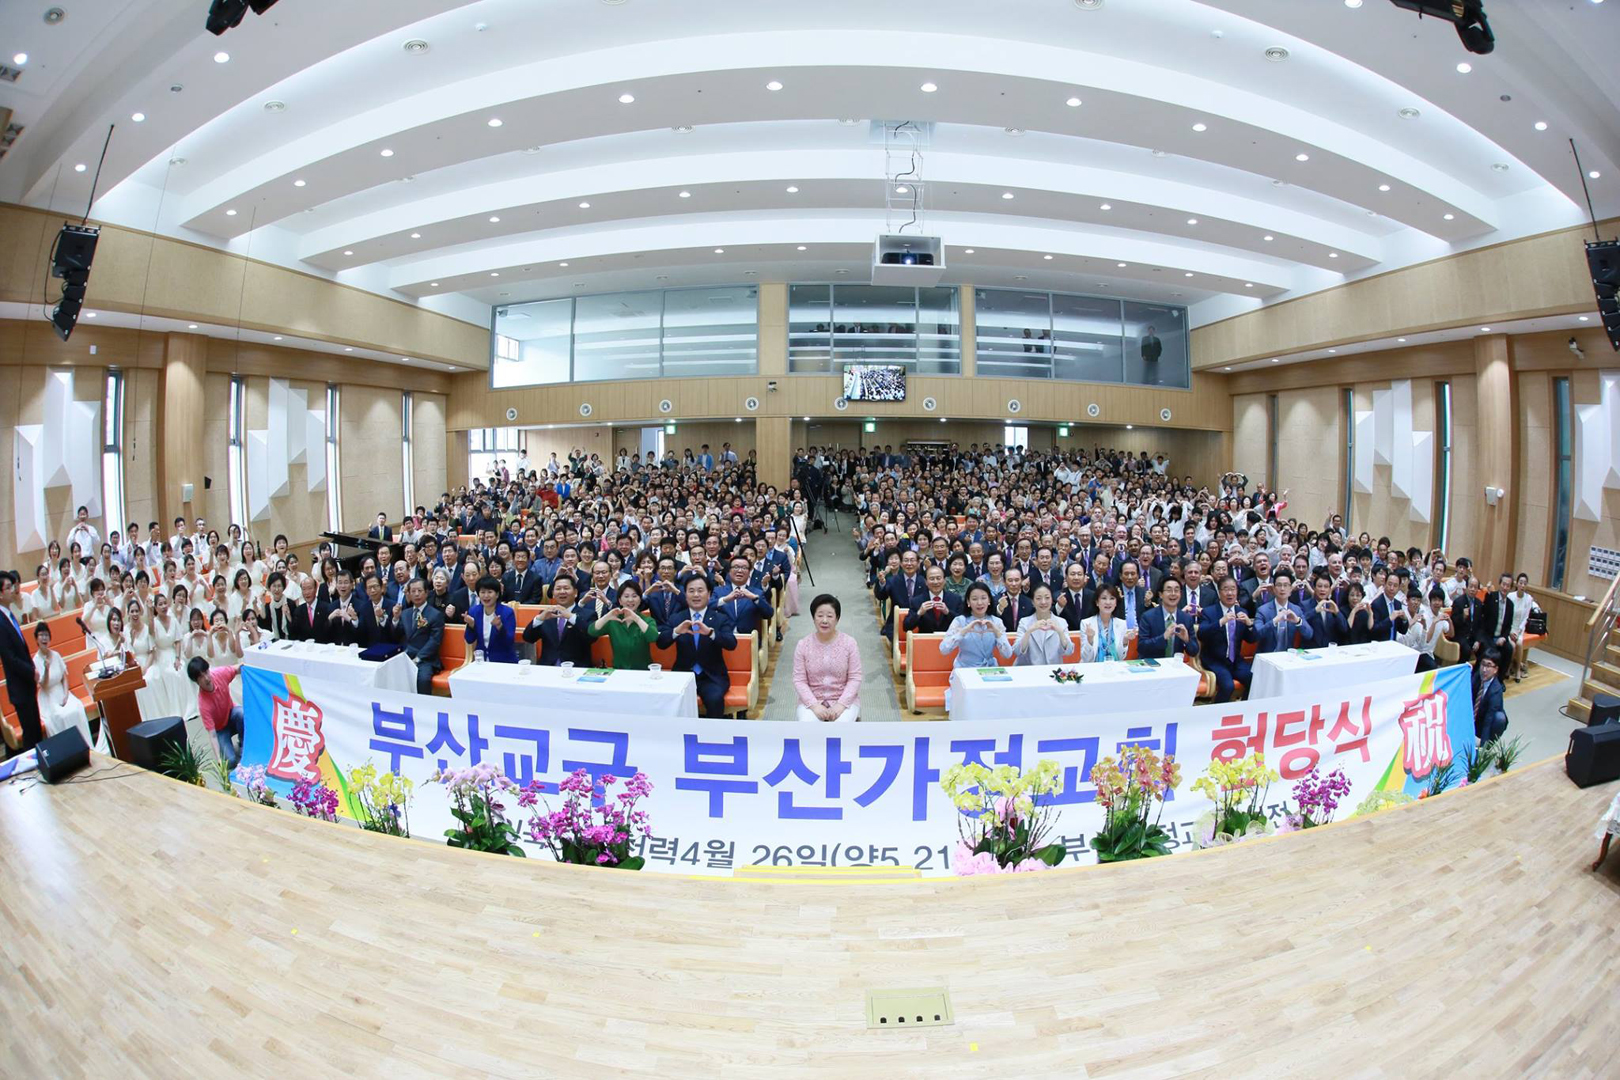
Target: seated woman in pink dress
(827, 667)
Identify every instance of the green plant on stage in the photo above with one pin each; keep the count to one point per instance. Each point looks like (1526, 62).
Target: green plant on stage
(222, 772)
(182, 762)
(1478, 761)
(1002, 828)
(1128, 792)
(1439, 780)
(383, 799)
(1238, 790)
(484, 826)
(1381, 800)
(1507, 753)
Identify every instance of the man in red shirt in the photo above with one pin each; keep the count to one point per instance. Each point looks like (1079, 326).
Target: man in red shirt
(219, 714)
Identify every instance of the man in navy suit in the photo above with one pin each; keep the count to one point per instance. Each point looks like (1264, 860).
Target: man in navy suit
(937, 608)
(1167, 630)
(420, 629)
(905, 589)
(701, 635)
(522, 584)
(559, 630)
(21, 675)
(341, 620)
(739, 598)
(1012, 605)
(1490, 716)
(377, 625)
(663, 594)
(1077, 601)
(1495, 626)
(1132, 593)
(1222, 630)
(1389, 610)
(1328, 625)
(1280, 619)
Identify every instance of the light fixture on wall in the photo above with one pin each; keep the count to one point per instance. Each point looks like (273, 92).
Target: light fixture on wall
(1493, 495)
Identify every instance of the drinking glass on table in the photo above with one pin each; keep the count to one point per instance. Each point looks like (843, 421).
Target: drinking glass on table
(657, 670)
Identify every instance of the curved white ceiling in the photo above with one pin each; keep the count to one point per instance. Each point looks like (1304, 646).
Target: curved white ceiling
(1180, 159)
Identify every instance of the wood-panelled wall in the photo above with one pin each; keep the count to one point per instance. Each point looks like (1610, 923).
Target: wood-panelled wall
(1518, 279)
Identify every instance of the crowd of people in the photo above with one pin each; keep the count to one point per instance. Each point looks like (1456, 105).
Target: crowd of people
(1005, 551)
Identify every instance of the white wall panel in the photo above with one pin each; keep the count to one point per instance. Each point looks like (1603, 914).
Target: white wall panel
(1421, 451)
(297, 426)
(28, 488)
(1591, 464)
(1400, 462)
(315, 442)
(83, 453)
(1611, 410)
(276, 440)
(1363, 471)
(258, 475)
(1383, 427)
(58, 413)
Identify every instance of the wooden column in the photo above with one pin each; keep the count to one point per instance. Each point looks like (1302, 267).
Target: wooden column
(181, 411)
(1496, 415)
(773, 441)
(966, 309)
(773, 329)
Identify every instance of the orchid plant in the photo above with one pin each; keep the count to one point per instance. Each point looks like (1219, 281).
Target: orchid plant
(596, 826)
(1128, 790)
(1238, 790)
(1318, 797)
(1000, 824)
(256, 783)
(383, 800)
(476, 792)
(314, 800)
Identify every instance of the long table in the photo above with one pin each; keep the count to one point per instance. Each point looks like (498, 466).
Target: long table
(336, 663)
(581, 690)
(1013, 693)
(1307, 671)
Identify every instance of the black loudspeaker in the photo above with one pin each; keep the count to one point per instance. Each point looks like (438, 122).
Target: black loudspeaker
(1603, 259)
(1605, 710)
(1594, 755)
(151, 739)
(62, 755)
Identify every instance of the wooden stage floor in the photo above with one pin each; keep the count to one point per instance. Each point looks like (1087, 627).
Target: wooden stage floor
(160, 930)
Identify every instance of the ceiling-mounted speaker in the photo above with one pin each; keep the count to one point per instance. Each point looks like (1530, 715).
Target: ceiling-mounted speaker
(1603, 259)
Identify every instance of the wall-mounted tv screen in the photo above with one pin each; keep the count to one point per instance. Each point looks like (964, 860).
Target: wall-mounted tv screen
(874, 382)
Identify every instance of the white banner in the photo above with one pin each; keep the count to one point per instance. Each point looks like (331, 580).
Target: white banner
(730, 794)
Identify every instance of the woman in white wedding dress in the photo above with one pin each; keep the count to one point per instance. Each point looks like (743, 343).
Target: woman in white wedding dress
(59, 709)
(167, 692)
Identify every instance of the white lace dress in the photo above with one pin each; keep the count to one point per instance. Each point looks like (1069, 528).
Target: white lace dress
(59, 709)
(168, 692)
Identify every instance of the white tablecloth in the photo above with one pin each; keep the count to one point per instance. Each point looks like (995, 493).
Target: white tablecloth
(336, 663)
(1313, 670)
(1114, 686)
(639, 693)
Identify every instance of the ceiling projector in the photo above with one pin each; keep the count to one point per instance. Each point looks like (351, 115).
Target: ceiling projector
(898, 259)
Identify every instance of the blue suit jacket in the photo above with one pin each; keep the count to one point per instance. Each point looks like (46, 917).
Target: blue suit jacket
(1327, 627)
(1274, 638)
(1150, 635)
(421, 636)
(1212, 635)
(746, 615)
(502, 643)
(709, 654)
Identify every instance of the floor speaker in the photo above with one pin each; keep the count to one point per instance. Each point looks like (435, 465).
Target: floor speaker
(151, 739)
(1594, 755)
(1605, 710)
(62, 755)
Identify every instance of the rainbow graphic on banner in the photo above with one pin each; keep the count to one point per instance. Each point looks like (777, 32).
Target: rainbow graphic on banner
(263, 692)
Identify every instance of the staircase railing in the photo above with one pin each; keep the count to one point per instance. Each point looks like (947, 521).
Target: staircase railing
(1597, 629)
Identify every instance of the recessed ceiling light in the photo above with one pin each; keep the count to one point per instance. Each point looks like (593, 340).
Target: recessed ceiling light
(627, 99)
(494, 273)
(139, 117)
(902, 190)
(1158, 153)
(1464, 68)
(1275, 360)
(222, 57)
(78, 168)
(1333, 350)
(1192, 221)
(298, 183)
(386, 153)
(1594, 174)
(348, 348)
(1200, 127)
(1248, 284)
(416, 46)
(1269, 238)
(1484, 329)
(686, 194)
(1333, 254)
(20, 59)
(1352, 3)
(1106, 206)
(1048, 257)
(1400, 339)
(494, 121)
(584, 206)
(719, 251)
(1122, 265)
(1541, 125)
(416, 236)
(773, 86)
(494, 219)
(433, 284)
(278, 337)
(1408, 113)
(1499, 166)
(1073, 103)
(802, 247)
(967, 251)
(562, 264)
(1006, 195)
(1451, 217)
(230, 213)
(1276, 54)
(1581, 318)
(928, 88)
(1226, 369)
(682, 129)
(1014, 132)
(1020, 277)
(89, 314)
(348, 253)
(793, 189)
(1189, 273)
(1302, 157)
(192, 326)
(1383, 187)
(275, 106)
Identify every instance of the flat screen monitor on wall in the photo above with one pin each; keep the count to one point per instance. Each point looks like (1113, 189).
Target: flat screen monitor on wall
(874, 382)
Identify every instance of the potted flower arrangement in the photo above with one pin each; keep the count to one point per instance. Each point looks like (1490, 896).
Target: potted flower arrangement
(1318, 797)
(256, 783)
(1128, 790)
(1001, 829)
(1238, 790)
(314, 800)
(476, 792)
(586, 834)
(383, 800)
